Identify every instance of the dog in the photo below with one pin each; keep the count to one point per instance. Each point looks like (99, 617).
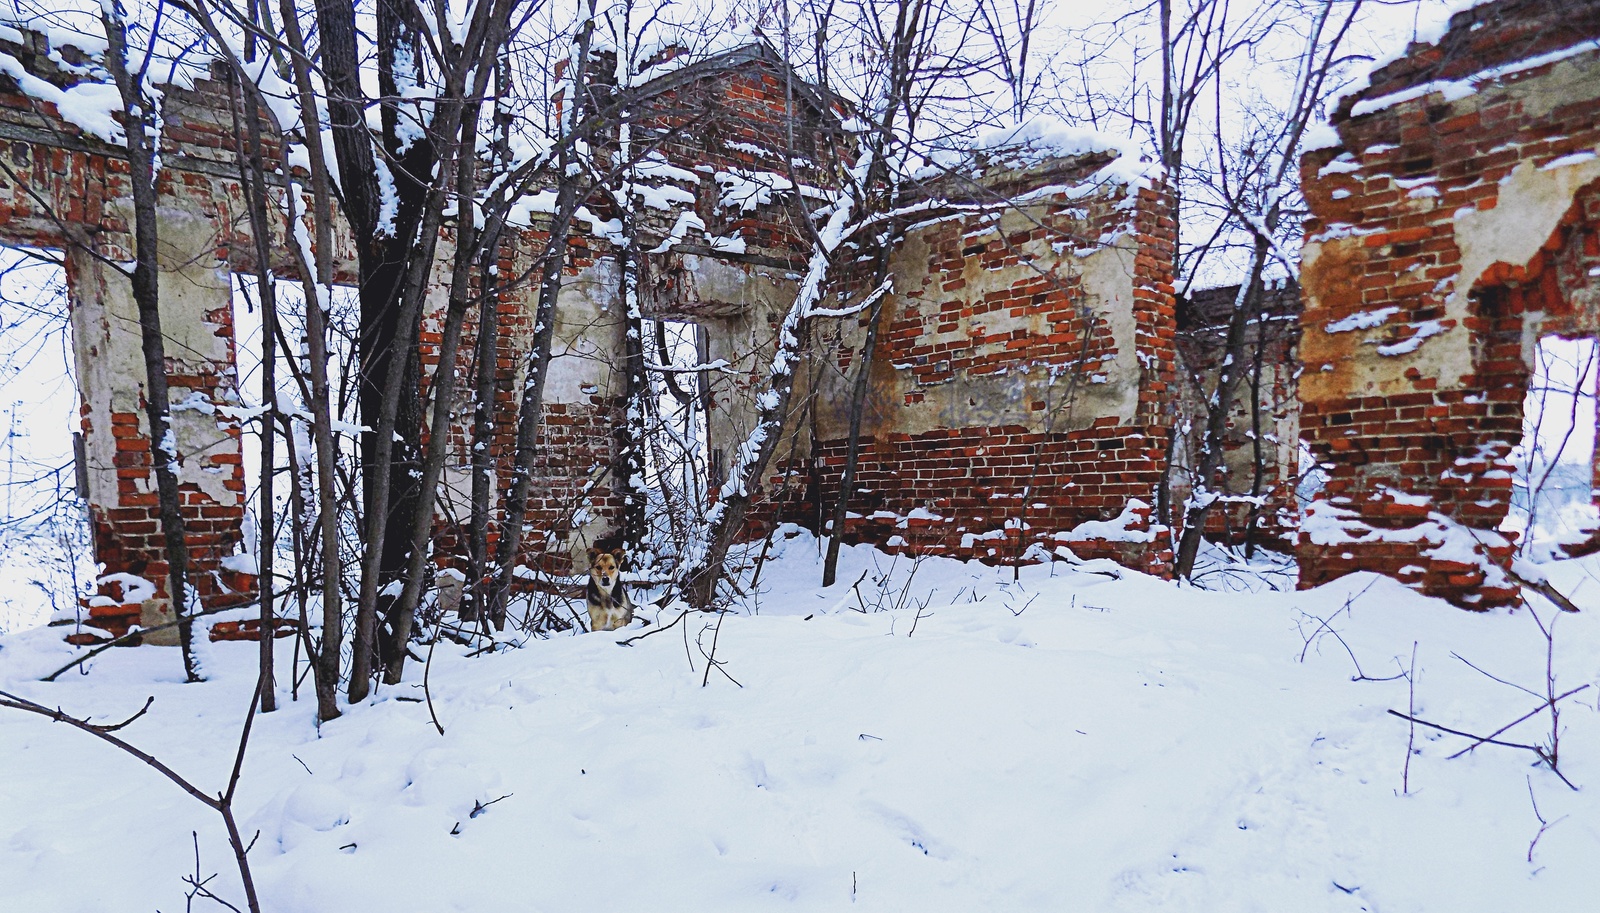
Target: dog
(609, 605)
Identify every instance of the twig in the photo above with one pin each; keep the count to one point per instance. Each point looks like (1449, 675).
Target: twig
(1525, 716)
(628, 642)
(1497, 678)
(142, 711)
(1465, 735)
(427, 667)
(711, 658)
(917, 619)
(59, 716)
(1543, 824)
(479, 807)
(1017, 613)
(1327, 625)
(198, 884)
(1411, 733)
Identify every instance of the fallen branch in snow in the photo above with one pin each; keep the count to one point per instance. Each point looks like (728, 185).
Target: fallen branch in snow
(1465, 735)
(1543, 588)
(1526, 716)
(222, 803)
(628, 642)
(1546, 755)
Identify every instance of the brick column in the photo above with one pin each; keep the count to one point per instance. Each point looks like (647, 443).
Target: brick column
(197, 321)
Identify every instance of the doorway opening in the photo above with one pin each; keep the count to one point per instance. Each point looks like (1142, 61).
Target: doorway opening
(1552, 497)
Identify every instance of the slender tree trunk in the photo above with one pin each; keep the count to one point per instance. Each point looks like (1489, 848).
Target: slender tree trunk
(531, 408)
(318, 285)
(1258, 453)
(486, 357)
(253, 180)
(858, 402)
(486, 362)
(140, 115)
(631, 455)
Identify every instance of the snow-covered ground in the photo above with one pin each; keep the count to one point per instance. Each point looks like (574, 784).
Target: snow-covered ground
(1067, 742)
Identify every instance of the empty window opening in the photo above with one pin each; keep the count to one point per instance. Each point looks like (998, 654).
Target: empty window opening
(679, 468)
(1552, 496)
(44, 530)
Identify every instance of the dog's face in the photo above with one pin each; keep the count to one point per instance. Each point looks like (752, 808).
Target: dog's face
(603, 566)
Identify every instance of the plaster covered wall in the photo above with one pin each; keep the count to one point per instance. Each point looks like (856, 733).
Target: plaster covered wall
(65, 189)
(1019, 401)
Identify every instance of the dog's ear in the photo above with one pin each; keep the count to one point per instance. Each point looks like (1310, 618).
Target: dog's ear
(591, 552)
(617, 554)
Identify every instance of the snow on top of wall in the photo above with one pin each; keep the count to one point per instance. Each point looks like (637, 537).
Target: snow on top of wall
(1040, 138)
(685, 45)
(1432, 22)
(1320, 136)
(1122, 528)
(1456, 89)
(90, 105)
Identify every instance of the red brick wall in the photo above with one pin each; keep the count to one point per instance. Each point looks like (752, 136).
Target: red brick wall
(994, 491)
(56, 193)
(1386, 204)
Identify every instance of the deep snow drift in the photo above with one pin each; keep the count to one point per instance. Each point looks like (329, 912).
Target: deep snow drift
(1067, 742)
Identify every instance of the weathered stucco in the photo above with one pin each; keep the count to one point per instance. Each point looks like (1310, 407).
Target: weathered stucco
(1452, 225)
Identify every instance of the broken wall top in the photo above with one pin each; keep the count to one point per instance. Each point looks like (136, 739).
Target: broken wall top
(1449, 174)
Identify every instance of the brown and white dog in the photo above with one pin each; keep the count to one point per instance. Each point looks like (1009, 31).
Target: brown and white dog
(609, 605)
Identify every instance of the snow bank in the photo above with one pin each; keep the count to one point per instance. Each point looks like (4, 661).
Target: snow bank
(1066, 742)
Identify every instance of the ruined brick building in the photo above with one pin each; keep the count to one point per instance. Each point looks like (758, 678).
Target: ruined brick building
(1027, 384)
(1454, 221)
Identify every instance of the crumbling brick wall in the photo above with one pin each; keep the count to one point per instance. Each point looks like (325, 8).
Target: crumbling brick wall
(65, 189)
(1019, 400)
(1021, 394)
(1452, 224)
